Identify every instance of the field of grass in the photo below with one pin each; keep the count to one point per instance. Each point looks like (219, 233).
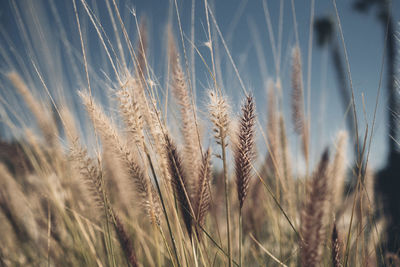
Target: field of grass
(111, 167)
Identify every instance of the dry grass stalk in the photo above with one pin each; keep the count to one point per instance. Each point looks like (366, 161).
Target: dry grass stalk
(58, 210)
(142, 48)
(336, 248)
(298, 116)
(38, 156)
(43, 118)
(143, 96)
(338, 172)
(244, 153)
(192, 152)
(126, 242)
(91, 172)
(272, 128)
(219, 114)
(179, 183)
(110, 137)
(70, 128)
(148, 109)
(116, 179)
(313, 215)
(244, 150)
(131, 115)
(203, 195)
(16, 207)
(297, 93)
(287, 183)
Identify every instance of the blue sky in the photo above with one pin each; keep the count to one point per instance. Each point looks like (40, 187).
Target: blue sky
(237, 19)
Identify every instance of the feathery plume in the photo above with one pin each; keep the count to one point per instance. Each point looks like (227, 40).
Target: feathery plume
(338, 171)
(244, 149)
(91, 172)
(110, 136)
(203, 196)
(179, 183)
(219, 116)
(297, 93)
(43, 118)
(131, 114)
(219, 110)
(152, 122)
(189, 130)
(298, 116)
(313, 215)
(71, 132)
(143, 95)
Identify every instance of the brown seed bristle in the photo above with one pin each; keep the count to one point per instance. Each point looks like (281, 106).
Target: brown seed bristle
(179, 183)
(125, 242)
(91, 172)
(110, 136)
(203, 196)
(336, 248)
(314, 214)
(244, 149)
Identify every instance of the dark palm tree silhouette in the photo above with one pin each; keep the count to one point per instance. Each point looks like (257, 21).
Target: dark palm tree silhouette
(387, 185)
(388, 180)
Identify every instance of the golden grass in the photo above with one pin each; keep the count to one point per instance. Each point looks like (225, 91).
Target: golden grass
(135, 195)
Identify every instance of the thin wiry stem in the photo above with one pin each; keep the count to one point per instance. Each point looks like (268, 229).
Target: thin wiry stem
(227, 205)
(164, 210)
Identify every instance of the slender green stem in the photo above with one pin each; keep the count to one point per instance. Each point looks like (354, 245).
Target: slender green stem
(157, 238)
(164, 209)
(277, 203)
(194, 254)
(240, 237)
(166, 245)
(109, 248)
(228, 213)
(215, 243)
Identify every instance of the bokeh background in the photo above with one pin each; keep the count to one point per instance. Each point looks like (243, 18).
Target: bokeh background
(55, 44)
